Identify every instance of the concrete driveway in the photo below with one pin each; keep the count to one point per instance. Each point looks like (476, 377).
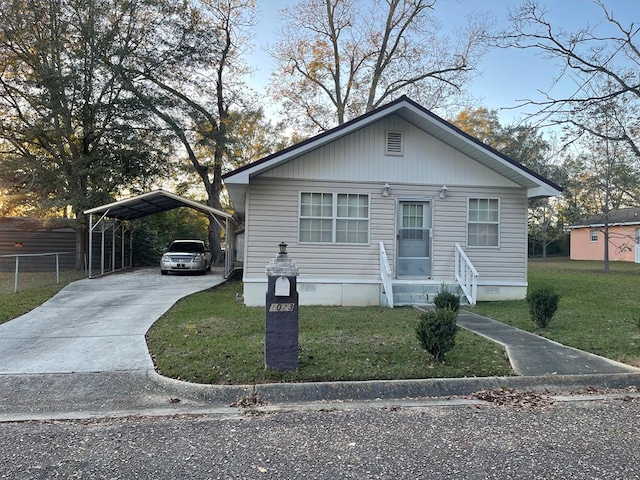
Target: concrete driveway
(95, 325)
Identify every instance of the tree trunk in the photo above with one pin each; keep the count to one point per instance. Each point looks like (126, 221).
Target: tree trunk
(214, 233)
(606, 248)
(81, 242)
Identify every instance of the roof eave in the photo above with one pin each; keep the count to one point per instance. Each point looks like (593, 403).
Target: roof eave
(542, 191)
(601, 225)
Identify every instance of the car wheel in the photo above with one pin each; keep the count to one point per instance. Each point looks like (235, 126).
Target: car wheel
(163, 272)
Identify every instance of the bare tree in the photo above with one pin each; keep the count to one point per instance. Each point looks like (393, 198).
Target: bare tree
(608, 180)
(337, 59)
(604, 54)
(193, 83)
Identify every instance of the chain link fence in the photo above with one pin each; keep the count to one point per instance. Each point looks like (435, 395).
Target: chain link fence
(26, 271)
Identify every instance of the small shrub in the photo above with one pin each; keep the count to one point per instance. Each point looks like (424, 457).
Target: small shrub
(446, 299)
(543, 303)
(436, 331)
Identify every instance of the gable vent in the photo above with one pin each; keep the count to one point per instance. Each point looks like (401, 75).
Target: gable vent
(394, 143)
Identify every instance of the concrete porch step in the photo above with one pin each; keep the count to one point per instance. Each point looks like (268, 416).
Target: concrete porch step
(411, 292)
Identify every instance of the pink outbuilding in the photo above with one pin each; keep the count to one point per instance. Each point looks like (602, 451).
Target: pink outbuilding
(587, 237)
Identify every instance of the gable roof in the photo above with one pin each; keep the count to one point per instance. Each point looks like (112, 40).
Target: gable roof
(536, 185)
(149, 203)
(622, 216)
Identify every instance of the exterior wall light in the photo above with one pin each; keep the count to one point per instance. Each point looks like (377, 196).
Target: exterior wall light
(443, 191)
(386, 189)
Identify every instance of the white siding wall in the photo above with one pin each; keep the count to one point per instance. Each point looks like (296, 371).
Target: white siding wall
(274, 218)
(508, 262)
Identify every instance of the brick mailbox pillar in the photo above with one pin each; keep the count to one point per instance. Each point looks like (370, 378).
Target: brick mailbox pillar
(281, 319)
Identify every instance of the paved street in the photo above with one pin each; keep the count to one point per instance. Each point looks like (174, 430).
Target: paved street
(597, 439)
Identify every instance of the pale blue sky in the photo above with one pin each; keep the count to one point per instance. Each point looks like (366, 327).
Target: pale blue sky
(507, 75)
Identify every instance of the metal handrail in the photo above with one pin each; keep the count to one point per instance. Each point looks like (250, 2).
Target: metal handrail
(466, 275)
(385, 275)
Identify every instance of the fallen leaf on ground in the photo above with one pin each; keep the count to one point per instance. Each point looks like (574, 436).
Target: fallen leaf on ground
(513, 398)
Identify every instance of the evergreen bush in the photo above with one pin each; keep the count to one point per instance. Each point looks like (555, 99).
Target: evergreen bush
(543, 303)
(445, 299)
(436, 331)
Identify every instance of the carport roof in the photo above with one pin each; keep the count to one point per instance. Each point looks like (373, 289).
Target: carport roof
(149, 203)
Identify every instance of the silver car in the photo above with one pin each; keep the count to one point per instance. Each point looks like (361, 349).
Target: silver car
(186, 256)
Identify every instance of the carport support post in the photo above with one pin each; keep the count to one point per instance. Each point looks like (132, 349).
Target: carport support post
(281, 319)
(90, 244)
(102, 248)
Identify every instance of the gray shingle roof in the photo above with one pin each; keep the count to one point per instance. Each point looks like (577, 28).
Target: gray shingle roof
(623, 216)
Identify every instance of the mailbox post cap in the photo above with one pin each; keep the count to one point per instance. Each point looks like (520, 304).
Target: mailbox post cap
(282, 265)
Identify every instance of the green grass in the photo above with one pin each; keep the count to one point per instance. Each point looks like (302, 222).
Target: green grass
(210, 338)
(33, 290)
(598, 312)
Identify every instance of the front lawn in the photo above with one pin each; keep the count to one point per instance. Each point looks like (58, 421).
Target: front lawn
(210, 338)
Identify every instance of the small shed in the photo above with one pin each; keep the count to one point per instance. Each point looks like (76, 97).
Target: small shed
(27, 236)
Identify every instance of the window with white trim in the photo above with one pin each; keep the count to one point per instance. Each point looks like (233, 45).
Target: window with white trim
(483, 222)
(594, 236)
(334, 218)
(394, 144)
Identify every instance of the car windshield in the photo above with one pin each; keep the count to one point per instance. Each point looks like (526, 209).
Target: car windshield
(187, 247)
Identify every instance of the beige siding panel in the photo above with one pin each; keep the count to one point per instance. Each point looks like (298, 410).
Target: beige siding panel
(273, 204)
(274, 218)
(359, 156)
(509, 262)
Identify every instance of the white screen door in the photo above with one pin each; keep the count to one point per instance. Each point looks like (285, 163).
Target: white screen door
(414, 239)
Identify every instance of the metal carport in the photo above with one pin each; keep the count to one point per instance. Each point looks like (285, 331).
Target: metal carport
(156, 201)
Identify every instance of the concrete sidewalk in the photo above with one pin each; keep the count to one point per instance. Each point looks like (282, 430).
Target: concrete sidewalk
(533, 355)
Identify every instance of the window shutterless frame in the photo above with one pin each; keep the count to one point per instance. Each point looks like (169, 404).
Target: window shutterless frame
(335, 218)
(483, 222)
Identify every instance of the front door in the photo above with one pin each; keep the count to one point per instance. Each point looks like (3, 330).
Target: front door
(414, 239)
(637, 245)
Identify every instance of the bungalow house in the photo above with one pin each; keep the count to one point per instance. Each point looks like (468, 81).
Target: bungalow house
(385, 209)
(587, 236)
